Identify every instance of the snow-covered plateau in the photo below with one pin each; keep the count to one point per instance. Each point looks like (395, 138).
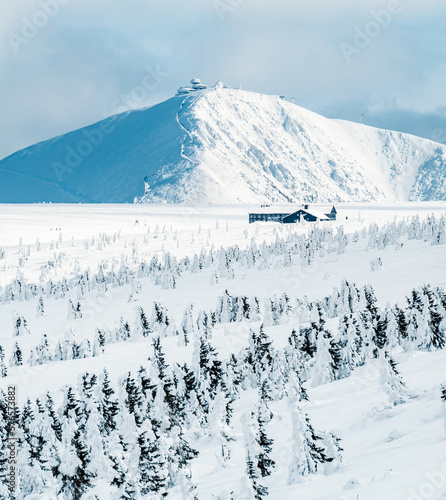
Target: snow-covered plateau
(177, 351)
(223, 145)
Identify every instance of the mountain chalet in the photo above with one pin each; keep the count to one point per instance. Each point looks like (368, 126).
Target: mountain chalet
(268, 214)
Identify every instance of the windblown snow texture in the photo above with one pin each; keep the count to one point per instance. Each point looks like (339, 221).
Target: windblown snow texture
(225, 146)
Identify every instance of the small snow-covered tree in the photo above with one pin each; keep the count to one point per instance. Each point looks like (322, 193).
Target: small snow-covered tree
(20, 326)
(443, 401)
(17, 356)
(391, 381)
(380, 337)
(108, 405)
(143, 328)
(152, 468)
(252, 489)
(187, 324)
(40, 307)
(326, 361)
(99, 343)
(264, 461)
(350, 343)
(74, 310)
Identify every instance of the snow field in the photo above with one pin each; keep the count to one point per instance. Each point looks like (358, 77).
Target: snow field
(391, 452)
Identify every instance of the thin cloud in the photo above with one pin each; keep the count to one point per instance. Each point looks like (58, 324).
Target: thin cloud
(93, 53)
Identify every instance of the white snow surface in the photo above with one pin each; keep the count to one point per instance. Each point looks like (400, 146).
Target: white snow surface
(390, 453)
(224, 145)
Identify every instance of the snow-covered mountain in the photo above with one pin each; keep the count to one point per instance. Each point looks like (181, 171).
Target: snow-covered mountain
(222, 145)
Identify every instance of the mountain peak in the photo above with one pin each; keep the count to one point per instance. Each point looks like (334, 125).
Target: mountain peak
(223, 145)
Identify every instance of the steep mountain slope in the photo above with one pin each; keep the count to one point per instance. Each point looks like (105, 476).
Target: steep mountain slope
(225, 145)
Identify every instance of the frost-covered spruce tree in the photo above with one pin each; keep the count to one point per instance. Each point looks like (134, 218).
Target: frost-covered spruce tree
(204, 325)
(187, 324)
(99, 343)
(295, 390)
(30, 474)
(443, 405)
(273, 315)
(233, 376)
(251, 488)
(265, 463)
(152, 467)
(74, 473)
(370, 304)
(402, 325)
(70, 406)
(218, 426)
(42, 353)
(297, 359)
(327, 360)
(391, 381)
(142, 324)
(28, 454)
(380, 336)
(17, 356)
(310, 334)
(178, 456)
(43, 455)
(208, 372)
(123, 332)
(20, 326)
(349, 343)
(74, 310)
(436, 314)
(392, 328)
(167, 386)
(279, 374)
(40, 307)
(134, 399)
(108, 405)
(160, 321)
(310, 449)
(100, 465)
(54, 420)
(307, 450)
(117, 456)
(259, 354)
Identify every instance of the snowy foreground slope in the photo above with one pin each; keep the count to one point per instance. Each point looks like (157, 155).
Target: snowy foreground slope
(96, 285)
(223, 145)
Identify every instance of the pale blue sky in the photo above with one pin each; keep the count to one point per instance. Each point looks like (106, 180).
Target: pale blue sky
(90, 58)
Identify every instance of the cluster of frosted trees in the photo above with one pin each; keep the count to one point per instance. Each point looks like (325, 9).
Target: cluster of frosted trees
(363, 327)
(140, 435)
(290, 250)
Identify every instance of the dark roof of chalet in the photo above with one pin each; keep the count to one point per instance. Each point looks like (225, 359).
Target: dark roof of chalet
(276, 211)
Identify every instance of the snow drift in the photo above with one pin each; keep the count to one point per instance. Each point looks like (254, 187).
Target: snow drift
(222, 145)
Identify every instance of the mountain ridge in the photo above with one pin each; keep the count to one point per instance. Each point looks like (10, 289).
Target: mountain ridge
(225, 145)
